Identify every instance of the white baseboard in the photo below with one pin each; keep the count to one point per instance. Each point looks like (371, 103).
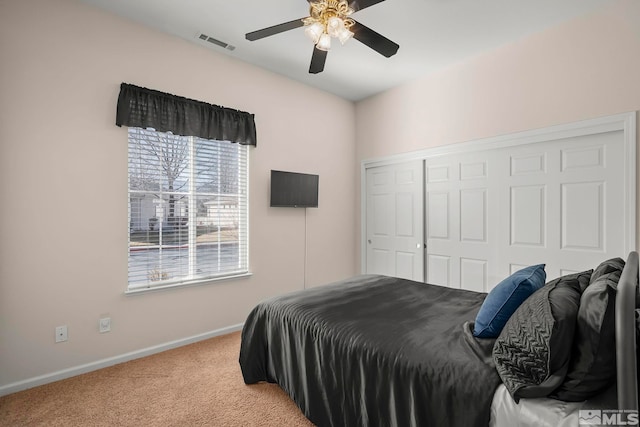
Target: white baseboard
(103, 363)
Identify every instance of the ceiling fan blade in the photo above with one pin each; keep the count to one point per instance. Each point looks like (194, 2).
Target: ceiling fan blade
(375, 41)
(317, 61)
(363, 4)
(276, 29)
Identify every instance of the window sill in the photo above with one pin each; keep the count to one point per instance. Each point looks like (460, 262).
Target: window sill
(199, 282)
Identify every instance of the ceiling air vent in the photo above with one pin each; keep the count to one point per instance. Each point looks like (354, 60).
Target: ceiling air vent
(216, 42)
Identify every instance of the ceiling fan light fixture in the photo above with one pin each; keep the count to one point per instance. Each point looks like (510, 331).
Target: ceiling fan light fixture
(325, 42)
(329, 18)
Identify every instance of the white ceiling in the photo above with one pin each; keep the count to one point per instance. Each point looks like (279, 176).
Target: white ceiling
(432, 34)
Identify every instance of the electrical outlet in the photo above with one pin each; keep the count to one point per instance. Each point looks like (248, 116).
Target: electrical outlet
(61, 333)
(104, 324)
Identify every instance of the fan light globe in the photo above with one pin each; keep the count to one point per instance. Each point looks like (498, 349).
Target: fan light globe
(314, 31)
(344, 36)
(335, 26)
(325, 42)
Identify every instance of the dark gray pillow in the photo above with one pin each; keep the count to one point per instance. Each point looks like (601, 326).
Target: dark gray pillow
(533, 350)
(606, 267)
(593, 364)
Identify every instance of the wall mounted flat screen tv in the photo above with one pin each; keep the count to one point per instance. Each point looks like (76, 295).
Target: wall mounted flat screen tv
(292, 189)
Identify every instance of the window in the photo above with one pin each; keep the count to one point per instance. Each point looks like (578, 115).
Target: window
(187, 209)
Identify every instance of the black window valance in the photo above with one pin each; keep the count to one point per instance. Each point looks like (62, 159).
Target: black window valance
(164, 112)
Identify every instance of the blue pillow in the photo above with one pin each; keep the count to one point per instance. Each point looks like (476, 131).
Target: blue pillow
(505, 298)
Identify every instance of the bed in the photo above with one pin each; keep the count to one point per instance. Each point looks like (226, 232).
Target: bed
(375, 350)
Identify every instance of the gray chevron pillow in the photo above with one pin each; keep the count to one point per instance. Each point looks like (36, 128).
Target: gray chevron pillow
(532, 352)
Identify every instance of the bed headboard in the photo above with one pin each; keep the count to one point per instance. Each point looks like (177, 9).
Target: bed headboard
(626, 335)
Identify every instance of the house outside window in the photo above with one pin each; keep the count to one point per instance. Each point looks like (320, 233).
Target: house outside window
(188, 212)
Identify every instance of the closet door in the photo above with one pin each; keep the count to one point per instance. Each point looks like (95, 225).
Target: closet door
(563, 204)
(460, 230)
(491, 212)
(394, 220)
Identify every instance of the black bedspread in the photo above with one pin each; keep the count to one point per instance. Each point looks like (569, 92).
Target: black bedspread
(374, 351)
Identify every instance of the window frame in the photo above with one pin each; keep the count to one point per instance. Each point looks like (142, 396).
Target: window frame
(243, 220)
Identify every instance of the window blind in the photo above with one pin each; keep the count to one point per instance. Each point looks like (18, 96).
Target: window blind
(188, 212)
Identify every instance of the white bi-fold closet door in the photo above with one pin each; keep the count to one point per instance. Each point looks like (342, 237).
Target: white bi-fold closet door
(558, 203)
(562, 196)
(394, 220)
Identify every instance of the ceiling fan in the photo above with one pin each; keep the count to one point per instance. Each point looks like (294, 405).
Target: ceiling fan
(331, 19)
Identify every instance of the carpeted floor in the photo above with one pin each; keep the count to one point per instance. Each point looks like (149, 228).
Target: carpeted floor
(195, 385)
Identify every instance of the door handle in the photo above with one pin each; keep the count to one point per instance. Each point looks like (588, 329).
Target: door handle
(369, 241)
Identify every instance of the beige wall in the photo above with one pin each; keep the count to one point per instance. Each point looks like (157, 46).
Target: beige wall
(63, 178)
(586, 68)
